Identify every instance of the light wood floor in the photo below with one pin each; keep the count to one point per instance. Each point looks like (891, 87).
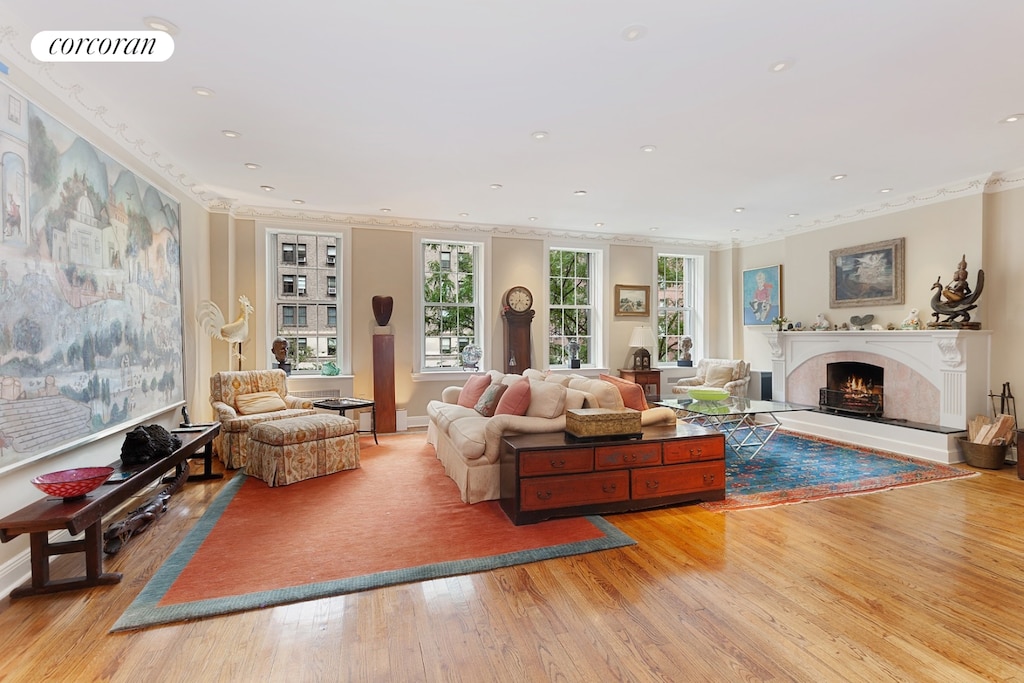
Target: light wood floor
(924, 583)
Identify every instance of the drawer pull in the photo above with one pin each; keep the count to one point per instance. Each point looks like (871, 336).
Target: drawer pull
(709, 478)
(557, 464)
(544, 495)
(696, 451)
(629, 457)
(609, 487)
(653, 484)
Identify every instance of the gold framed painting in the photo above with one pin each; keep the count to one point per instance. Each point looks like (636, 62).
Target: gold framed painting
(632, 300)
(868, 274)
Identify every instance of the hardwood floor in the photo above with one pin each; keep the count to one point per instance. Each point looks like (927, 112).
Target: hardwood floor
(924, 583)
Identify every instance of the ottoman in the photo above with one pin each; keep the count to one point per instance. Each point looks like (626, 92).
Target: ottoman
(286, 451)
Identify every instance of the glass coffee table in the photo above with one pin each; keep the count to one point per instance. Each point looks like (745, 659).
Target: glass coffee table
(746, 423)
(344, 404)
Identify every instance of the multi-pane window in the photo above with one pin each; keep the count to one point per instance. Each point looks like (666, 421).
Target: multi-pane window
(572, 287)
(451, 308)
(306, 265)
(677, 287)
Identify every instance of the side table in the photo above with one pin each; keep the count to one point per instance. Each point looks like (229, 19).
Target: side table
(650, 380)
(344, 404)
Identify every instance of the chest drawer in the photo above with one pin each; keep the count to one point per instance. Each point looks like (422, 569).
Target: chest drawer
(628, 454)
(656, 482)
(566, 460)
(545, 493)
(693, 450)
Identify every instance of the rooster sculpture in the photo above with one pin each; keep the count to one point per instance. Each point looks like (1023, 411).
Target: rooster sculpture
(211, 321)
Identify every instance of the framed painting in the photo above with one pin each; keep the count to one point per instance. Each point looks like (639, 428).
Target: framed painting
(762, 295)
(866, 275)
(632, 300)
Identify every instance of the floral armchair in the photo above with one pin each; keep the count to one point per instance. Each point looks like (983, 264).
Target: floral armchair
(731, 375)
(244, 398)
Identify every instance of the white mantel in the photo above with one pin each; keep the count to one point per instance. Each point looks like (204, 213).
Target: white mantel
(943, 373)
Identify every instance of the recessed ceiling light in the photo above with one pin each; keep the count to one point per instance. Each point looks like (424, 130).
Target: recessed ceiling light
(634, 32)
(655, 229)
(495, 186)
(739, 209)
(267, 188)
(1012, 118)
(793, 215)
(539, 135)
(231, 134)
(648, 148)
(385, 210)
(298, 201)
(839, 176)
(781, 66)
(463, 214)
(533, 218)
(158, 24)
(885, 190)
(598, 225)
(735, 230)
(251, 166)
(203, 92)
(580, 193)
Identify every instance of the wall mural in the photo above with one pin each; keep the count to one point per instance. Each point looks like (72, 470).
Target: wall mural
(90, 290)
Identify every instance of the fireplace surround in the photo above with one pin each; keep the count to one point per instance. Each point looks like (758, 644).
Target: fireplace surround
(935, 381)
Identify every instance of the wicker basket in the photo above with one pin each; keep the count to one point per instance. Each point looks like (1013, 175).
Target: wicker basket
(589, 423)
(986, 456)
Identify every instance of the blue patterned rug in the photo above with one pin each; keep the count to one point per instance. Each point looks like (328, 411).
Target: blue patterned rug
(796, 469)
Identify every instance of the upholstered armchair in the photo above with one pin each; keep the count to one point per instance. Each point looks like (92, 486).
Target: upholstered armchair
(244, 398)
(731, 375)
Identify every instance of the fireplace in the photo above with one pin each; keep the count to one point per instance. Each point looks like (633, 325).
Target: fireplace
(854, 388)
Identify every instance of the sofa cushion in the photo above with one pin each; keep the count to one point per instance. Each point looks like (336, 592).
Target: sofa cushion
(718, 375)
(259, 402)
(515, 400)
(468, 435)
(575, 399)
(489, 399)
(606, 394)
(546, 399)
(473, 389)
(631, 392)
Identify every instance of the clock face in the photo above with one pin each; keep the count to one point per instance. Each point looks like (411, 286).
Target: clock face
(519, 299)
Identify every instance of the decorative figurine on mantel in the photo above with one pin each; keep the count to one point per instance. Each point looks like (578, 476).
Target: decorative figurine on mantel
(821, 323)
(956, 300)
(912, 321)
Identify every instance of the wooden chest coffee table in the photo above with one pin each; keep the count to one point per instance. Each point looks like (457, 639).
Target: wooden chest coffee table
(554, 475)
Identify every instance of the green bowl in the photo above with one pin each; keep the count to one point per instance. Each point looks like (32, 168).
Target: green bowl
(708, 394)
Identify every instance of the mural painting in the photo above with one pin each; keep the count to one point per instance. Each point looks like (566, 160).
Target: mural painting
(90, 290)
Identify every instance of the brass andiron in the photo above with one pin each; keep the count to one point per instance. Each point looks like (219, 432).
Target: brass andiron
(956, 300)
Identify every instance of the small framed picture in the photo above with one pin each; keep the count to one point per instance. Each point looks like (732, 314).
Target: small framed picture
(762, 295)
(632, 300)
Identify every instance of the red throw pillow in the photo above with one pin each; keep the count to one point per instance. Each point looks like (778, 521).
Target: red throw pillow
(473, 390)
(515, 400)
(632, 393)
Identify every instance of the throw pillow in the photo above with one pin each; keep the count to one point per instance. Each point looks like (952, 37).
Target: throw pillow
(515, 400)
(631, 392)
(473, 390)
(717, 375)
(489, 399)
(259, 402)
(546, 399)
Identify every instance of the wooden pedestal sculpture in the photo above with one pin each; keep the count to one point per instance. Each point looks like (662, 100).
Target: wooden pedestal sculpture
(384, 366)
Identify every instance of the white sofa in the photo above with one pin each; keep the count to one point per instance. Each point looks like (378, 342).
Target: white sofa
(468, 444)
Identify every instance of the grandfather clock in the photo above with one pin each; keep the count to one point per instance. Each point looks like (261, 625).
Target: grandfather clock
(517, 315)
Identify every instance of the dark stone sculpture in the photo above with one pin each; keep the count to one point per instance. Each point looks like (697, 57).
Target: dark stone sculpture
(382, 306)
(146, 443)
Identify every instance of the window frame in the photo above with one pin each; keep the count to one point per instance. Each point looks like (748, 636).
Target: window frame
(599, 285)
(695, 288)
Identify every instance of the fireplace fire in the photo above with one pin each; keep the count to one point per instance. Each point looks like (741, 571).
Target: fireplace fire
(852, 387)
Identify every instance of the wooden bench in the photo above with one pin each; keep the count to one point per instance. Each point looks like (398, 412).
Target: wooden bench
(51, 514)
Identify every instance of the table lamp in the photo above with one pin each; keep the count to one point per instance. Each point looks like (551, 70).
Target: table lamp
(642, 338)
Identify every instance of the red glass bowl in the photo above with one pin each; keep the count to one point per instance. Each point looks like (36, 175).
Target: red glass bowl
(72, 484)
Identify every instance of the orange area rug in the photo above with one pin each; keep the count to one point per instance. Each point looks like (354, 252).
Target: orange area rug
(395, 520)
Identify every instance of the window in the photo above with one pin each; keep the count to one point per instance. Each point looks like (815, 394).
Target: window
(311, 328)
(572, 290)
(332, 254)
(678, 280)
(451, 296)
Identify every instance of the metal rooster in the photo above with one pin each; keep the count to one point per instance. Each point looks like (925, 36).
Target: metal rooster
(211, 321)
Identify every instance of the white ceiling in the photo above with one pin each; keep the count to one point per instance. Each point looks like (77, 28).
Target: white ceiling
(418, 107)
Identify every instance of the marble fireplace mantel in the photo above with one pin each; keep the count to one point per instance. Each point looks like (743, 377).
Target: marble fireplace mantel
(937, 376)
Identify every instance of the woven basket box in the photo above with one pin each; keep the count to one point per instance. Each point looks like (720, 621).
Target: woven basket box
(594, 422)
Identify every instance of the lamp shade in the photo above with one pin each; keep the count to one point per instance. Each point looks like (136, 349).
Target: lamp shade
(642, 337)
